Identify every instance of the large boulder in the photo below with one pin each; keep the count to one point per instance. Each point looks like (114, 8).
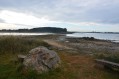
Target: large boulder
(41, 59)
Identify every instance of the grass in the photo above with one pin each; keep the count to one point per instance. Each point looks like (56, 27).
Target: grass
(73, 66)
(12, 44)
(83, 67)
(113, 57)
(10, 47)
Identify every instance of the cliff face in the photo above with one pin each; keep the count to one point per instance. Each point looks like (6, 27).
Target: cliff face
(41, 29)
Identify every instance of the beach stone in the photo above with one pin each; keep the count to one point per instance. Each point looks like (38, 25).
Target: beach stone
(21, 58)
(41, 59)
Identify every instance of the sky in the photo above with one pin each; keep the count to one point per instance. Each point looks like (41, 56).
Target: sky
(75, 15)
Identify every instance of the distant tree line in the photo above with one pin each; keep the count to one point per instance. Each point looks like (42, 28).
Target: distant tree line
(41, 29)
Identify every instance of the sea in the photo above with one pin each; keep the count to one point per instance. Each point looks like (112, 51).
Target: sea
(104, 36)
(114, 37)
(23, 34)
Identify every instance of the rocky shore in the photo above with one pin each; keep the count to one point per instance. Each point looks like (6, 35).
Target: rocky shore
(92, 45)
(77, 57)
(86, 44)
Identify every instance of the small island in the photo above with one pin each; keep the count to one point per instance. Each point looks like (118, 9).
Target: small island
(39, 30)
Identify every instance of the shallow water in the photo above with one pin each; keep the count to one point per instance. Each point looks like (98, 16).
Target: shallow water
(105, 36)
(23, 34)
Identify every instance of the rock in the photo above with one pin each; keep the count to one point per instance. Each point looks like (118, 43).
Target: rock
(21, 58)
(42, 59)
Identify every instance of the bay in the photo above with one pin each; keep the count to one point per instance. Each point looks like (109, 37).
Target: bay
(104, 36)
(23, 34)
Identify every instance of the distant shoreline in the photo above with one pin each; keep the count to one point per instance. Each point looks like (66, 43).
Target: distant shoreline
(100, 32)
(67, 35)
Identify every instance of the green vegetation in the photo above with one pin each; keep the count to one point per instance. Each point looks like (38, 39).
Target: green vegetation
(10, 68)
(40, 29)
(12, 44)
(74, 66)
(114, 57)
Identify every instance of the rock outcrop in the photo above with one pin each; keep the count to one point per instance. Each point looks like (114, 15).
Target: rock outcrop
(41, 59)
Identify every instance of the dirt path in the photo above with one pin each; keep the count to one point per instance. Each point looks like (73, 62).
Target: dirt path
(80, 66)
(56, 44)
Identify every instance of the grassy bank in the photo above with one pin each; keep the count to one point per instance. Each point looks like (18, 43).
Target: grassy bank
(113, 57)
(74, 66)
(15, 44)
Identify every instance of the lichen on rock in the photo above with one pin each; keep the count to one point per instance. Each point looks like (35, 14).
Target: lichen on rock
(41, 59)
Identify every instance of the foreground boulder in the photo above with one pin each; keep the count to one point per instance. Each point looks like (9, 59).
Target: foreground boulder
(41, 59)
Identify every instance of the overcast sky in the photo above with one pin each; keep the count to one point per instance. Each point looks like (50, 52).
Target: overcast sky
(76, 15)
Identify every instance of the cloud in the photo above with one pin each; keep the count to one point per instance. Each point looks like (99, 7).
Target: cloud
(104, 11)
(21, 18)
(65, 13)
(1, 21)
(7, 26)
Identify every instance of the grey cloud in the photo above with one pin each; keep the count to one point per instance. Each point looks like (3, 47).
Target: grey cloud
(105, 13)
(2, 21)
(102, 11)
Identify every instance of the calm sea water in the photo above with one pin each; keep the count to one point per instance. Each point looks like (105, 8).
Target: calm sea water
(23, 34)
(104, 36)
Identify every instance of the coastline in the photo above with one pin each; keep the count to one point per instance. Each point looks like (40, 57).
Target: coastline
(77, 56)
